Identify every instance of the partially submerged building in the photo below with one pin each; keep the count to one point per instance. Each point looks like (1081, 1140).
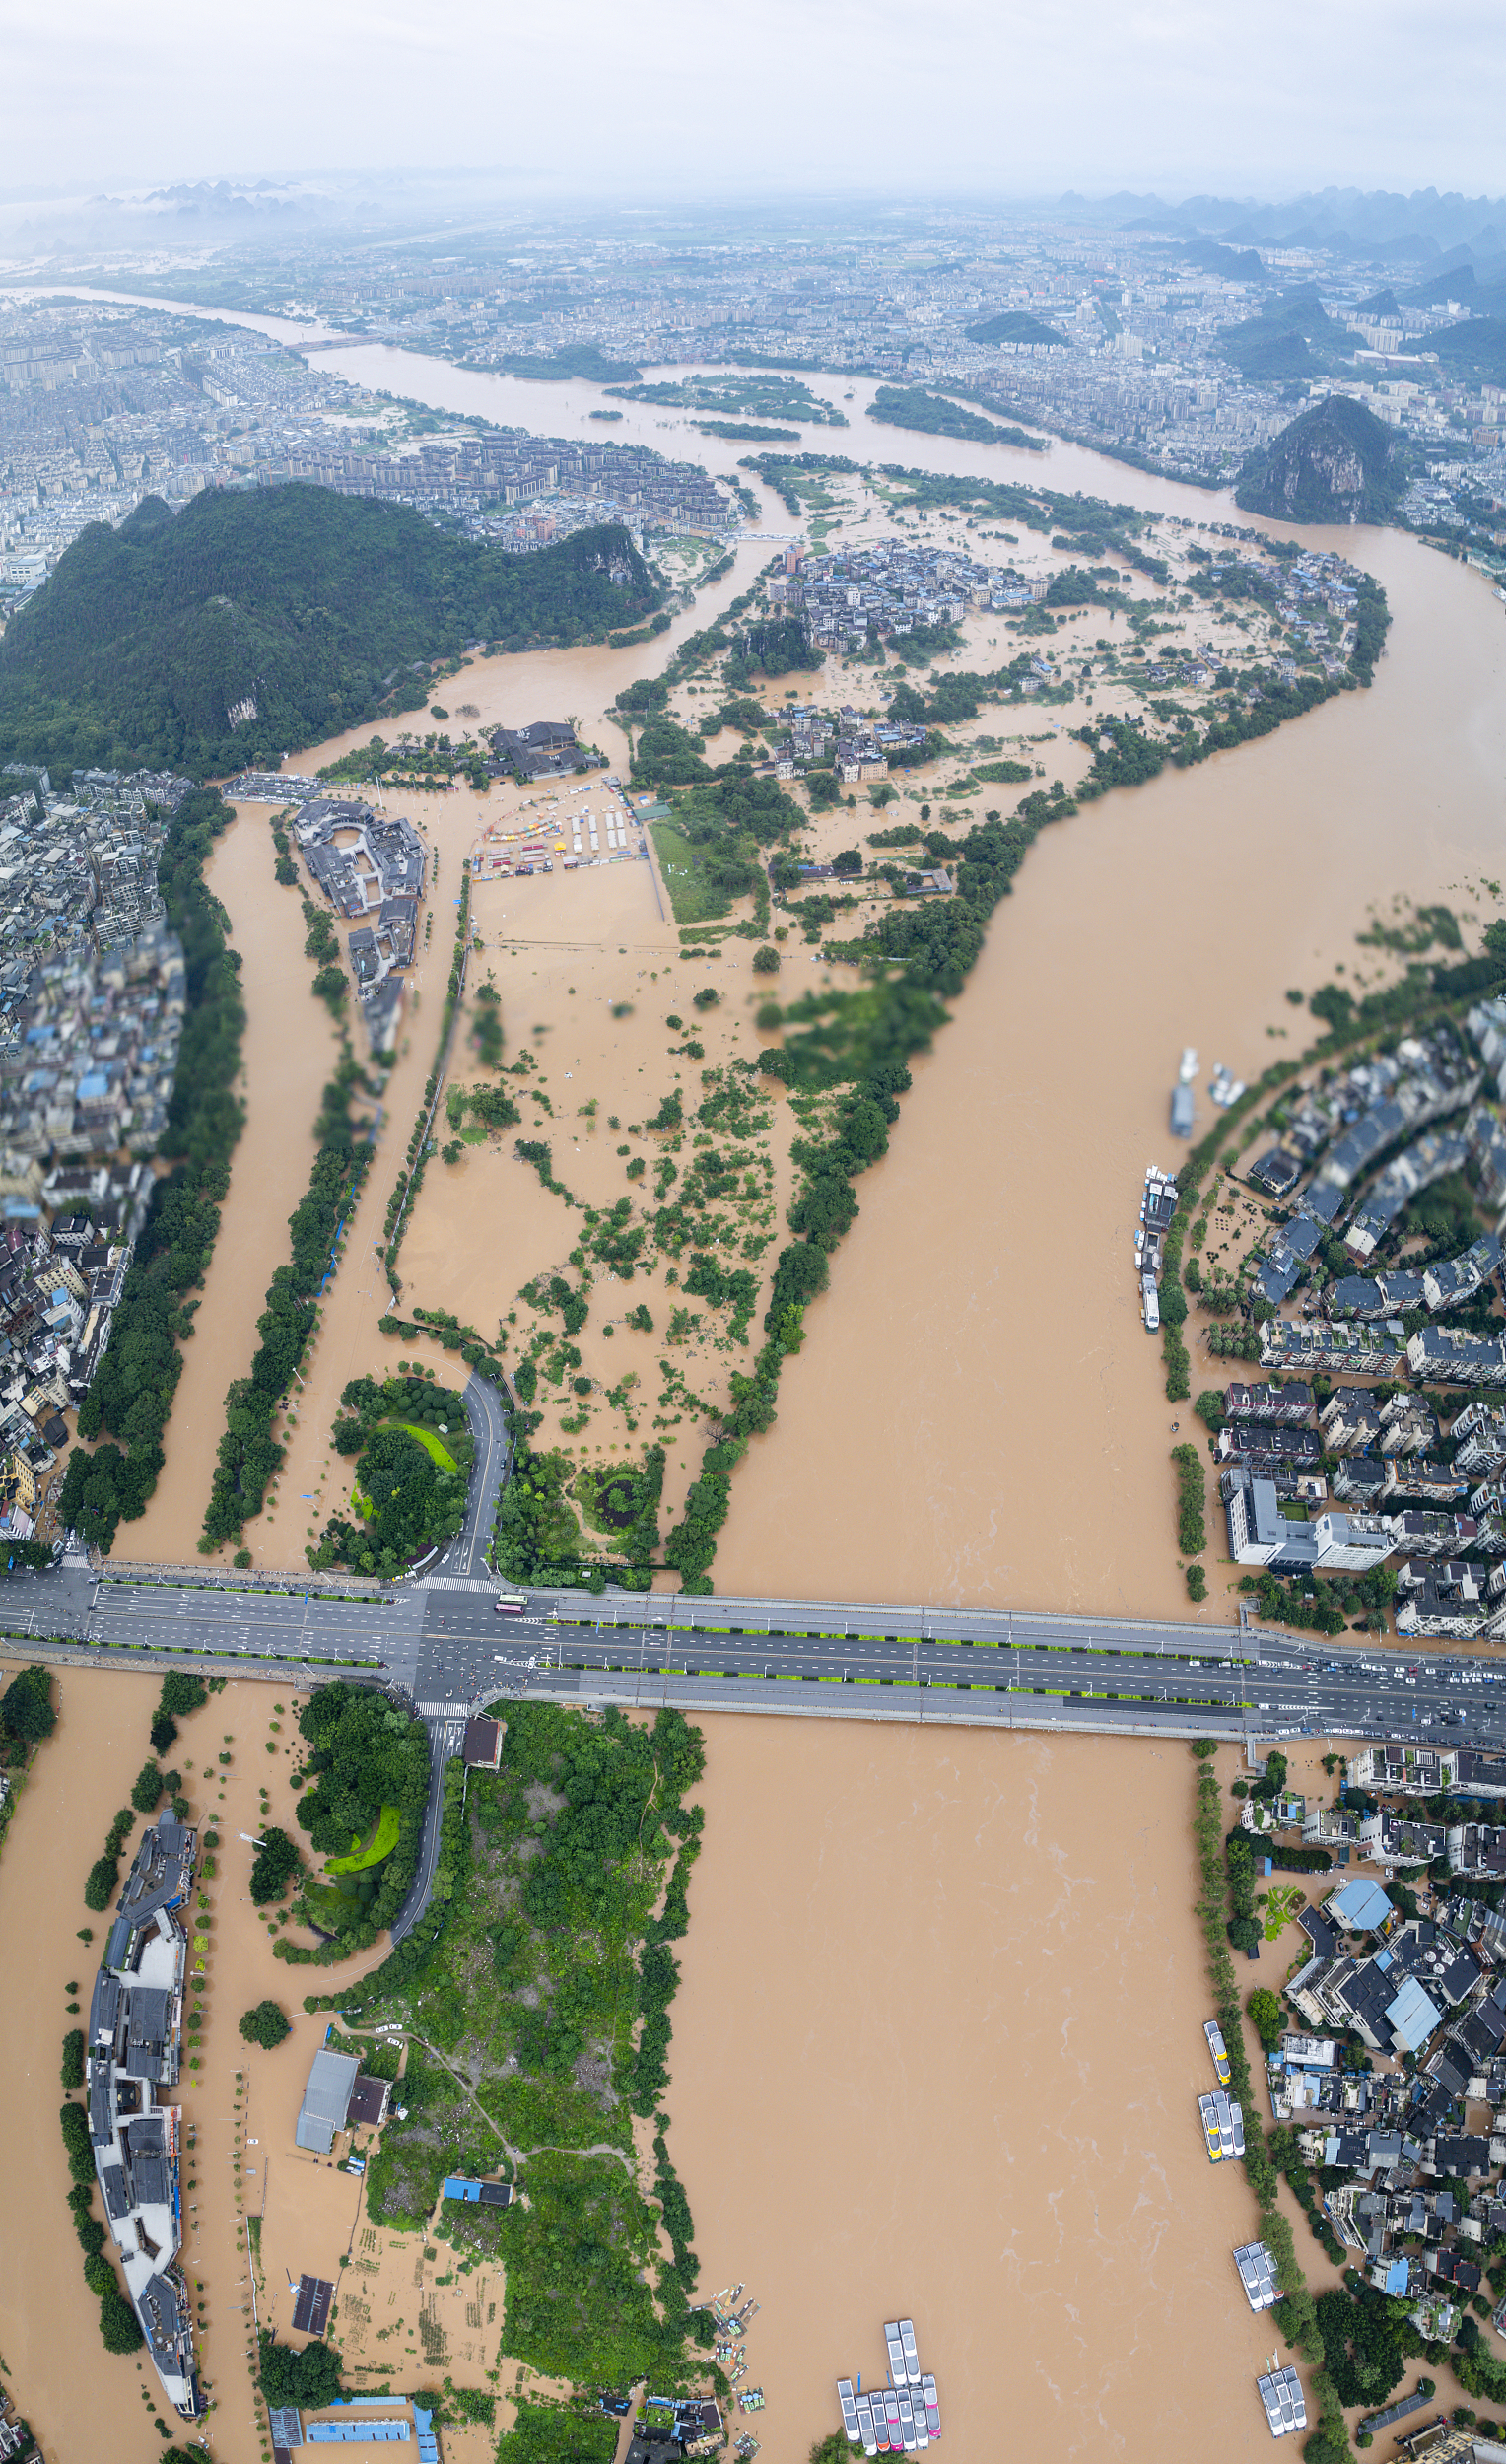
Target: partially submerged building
(133, 2051)
(338, 2097)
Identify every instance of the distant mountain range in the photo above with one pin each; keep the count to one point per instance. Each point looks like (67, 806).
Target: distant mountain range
(1375, 225)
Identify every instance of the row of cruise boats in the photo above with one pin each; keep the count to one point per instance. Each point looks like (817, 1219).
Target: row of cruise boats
(1158, 1204)
(902, 2416)
(1223, 2118)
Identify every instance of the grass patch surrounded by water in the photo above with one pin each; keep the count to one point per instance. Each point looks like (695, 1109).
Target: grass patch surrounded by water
(694, 899)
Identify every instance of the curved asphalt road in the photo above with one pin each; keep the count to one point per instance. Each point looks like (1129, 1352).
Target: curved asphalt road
(465, 1560)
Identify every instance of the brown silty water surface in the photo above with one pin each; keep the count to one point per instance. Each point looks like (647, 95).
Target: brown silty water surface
(937, 2049)
(289, 1048)
(1003, 1425)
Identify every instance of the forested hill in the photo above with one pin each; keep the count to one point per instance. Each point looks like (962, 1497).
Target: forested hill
(252, 624)
(1334, 463)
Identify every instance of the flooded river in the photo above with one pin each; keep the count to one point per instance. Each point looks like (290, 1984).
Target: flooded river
(936, 2053)
(938, 2038)
(1001, 1425)
(290, 1050)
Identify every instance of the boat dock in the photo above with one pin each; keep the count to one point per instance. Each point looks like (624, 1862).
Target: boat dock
(903, 2416)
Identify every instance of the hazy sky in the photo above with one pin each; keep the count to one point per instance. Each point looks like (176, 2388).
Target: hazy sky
(662, 96)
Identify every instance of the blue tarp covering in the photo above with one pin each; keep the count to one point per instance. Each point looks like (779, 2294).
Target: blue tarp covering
(460, 2186)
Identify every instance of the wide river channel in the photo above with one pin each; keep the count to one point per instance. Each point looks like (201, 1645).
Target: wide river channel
(938, 2037)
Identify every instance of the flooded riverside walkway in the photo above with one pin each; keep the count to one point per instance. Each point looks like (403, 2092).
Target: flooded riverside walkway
(937, 2052)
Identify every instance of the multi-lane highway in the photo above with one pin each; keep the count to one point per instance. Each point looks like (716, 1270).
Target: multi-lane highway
(441, 1642)
(854, 1659)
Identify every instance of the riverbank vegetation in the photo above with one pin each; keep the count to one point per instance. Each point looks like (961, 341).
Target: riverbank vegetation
(119, 2328)
(421, 1143)
(128, 1405)
(932, 415)
(208, 640)
(28, 1718)
(102, 1879)
(538, 2022)
(365, 1759)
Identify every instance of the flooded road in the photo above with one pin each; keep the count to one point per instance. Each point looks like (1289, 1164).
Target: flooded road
(937, 2052)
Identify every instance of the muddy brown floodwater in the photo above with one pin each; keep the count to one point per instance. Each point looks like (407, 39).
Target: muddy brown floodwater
(987, 1412)
(289, 1050)
(937, 2049)
(239, 2102)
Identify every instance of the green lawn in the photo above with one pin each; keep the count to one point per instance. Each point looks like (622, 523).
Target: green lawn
(380, 1844)
(433, 1447)
(692, 899)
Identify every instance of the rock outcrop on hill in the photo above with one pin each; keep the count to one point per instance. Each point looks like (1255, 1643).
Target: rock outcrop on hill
(1334, 463)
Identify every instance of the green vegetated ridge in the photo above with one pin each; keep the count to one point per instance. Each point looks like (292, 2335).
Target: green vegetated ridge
(1334, 463)
(1291, 336)
(128, 1405)
(538, 2025)
(253, 621)
(1017, 326)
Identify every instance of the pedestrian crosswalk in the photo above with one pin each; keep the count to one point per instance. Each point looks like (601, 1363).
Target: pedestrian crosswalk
(454, 1583)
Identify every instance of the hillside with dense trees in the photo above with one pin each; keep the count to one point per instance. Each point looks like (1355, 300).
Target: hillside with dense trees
(251, 623)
